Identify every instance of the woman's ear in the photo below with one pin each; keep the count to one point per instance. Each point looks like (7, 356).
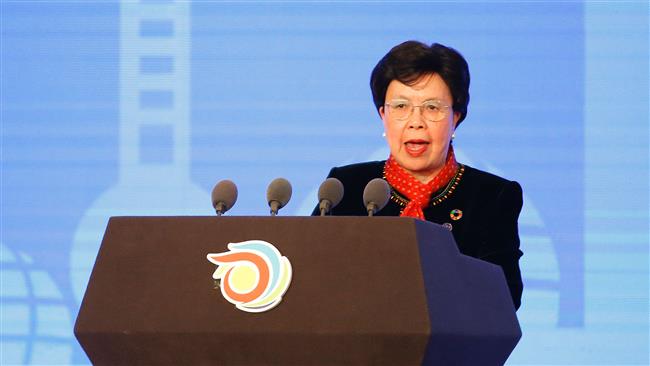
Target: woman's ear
(382, 114)
(456, 118)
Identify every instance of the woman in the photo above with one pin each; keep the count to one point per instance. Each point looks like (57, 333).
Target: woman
(421, 94)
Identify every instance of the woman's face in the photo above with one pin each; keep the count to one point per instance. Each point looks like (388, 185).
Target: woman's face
(418, 145)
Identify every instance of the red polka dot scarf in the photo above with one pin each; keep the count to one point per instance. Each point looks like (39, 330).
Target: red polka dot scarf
(417, 192)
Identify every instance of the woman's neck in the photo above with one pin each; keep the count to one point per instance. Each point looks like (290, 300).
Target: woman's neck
(425, 176)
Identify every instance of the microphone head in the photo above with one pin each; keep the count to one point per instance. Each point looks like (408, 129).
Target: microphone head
(377, 193)
(224, 192)
(279, 191)
(331, 190)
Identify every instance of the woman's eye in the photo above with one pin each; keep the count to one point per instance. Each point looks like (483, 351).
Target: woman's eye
(431, 107)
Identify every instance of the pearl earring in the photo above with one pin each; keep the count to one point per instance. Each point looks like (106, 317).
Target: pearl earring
(383, 134)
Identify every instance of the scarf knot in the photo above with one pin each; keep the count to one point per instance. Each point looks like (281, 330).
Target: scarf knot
(417, 192)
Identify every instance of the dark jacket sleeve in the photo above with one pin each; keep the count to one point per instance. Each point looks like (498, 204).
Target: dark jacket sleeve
(501, 244)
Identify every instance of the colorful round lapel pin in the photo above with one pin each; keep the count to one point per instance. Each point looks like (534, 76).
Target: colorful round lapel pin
(456, 214)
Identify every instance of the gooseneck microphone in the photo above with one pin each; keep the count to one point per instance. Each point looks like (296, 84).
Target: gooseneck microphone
(330, 194)
(224, 196)
(278, 194)
(376, 195)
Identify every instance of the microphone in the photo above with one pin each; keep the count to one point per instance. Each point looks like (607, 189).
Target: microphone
(278, 194)
(376, 195)
(224, 196)
(330, 194)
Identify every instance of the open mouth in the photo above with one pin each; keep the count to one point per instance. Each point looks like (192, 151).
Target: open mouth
(416, 147)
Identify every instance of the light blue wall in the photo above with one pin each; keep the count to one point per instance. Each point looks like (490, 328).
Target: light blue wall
(113, 108)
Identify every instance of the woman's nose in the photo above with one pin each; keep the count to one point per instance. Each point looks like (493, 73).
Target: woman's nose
(417, 121)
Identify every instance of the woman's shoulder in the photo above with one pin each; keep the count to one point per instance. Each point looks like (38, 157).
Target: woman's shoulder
(487, 183)
(354, 178)
(483, 176)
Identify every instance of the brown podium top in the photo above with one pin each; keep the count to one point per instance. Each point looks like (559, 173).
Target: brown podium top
(357, 295)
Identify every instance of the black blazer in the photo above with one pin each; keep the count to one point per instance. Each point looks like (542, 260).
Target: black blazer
(490, 208)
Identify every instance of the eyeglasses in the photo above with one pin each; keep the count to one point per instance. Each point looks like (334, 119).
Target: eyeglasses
(431, 110)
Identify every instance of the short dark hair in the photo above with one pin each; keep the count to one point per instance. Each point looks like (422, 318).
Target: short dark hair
(408, 61)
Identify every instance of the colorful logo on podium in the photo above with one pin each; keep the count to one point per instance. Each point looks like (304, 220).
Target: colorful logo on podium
(254, 275)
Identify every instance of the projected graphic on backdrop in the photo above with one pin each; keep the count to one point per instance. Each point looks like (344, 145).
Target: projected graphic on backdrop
(154, 141)
(36, 320)
(138, 108)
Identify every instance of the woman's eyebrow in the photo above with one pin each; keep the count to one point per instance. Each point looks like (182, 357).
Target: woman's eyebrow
(436, 99)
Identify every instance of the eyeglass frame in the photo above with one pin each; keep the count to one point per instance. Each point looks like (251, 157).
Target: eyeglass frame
(413, 106)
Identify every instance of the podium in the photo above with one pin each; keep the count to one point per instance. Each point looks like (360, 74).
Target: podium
(364, 291)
